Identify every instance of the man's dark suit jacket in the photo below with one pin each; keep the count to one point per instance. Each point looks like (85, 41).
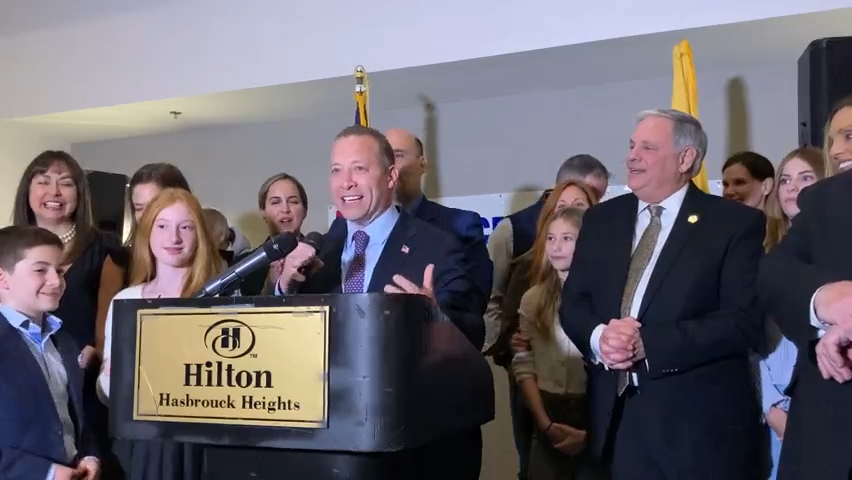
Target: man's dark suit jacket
(700, 320)
(412, 245)
(30, 441)
(814, 252)
(467, 227)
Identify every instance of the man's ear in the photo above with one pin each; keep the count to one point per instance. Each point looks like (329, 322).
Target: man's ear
(688, 158)
(4, 279)
(424, 162)
(393, 176)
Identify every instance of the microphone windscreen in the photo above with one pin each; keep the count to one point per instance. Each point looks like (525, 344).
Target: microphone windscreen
(313, 239)
(279, 246)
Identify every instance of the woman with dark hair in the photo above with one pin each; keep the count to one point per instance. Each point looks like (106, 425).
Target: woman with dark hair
(748, 178)
(283, 203)
(53, 194)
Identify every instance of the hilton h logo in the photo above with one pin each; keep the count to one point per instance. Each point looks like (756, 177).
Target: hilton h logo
(230, 339)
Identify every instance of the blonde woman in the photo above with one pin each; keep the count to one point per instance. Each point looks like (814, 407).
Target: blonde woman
(800, 168)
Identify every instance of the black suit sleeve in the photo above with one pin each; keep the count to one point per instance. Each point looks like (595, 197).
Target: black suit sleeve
(788, 279)
(454, 290)
(576, 315)
(735, 329)
(17, 464)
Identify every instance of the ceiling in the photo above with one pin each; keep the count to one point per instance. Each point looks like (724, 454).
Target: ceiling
(741, 45)
(22, 17)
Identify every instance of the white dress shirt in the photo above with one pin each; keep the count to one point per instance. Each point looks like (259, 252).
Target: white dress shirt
(671, 208)
(821, 327)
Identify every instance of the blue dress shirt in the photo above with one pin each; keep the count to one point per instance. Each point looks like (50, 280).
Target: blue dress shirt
(776, 369)
(378, 230)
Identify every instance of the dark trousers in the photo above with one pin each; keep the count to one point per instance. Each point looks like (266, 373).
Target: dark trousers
(458, 457)
(523, 427)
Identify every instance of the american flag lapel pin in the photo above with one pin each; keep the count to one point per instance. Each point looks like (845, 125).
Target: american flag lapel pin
(405, 249)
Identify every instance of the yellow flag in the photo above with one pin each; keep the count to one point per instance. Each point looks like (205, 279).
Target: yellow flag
(362, 87)
(685, 95)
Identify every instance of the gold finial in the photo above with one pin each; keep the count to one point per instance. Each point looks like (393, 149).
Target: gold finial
(360, 70)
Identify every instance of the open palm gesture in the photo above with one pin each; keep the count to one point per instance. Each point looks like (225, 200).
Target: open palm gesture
(404, 285)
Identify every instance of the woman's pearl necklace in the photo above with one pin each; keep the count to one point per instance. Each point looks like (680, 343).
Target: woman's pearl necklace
(69, 235)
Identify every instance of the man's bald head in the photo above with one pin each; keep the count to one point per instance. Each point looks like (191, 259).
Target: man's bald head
(410, 161)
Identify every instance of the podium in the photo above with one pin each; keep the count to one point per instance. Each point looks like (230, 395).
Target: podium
(369, 386)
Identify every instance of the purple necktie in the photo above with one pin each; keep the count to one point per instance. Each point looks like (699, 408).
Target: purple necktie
(354, 282)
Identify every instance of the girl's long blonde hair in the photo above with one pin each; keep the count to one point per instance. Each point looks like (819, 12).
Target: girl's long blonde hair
(546, 304)
(777, 222)
(205, 261)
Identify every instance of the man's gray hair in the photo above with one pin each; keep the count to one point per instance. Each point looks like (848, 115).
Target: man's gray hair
(687, 132)
(579, 167)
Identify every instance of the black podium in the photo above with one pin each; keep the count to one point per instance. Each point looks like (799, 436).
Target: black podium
(301, 387)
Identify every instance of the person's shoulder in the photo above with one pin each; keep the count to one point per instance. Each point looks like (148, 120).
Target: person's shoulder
(828, 188)
(611, 207)
(729, 211)
(129, 293)
(428, 234)
(530, 296)
(458, 213)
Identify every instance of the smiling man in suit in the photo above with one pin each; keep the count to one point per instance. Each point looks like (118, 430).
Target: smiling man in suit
(410, 160)
(377, 247)
(661, 301)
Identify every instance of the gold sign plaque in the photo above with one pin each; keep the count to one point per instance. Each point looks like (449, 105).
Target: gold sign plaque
(263, 367)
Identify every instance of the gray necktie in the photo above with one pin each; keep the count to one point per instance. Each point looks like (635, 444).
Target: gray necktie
(638, 264)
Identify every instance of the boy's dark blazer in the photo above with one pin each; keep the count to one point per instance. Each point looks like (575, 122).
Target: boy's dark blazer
(30, 429)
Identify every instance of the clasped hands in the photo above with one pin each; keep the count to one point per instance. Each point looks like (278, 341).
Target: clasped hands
(833, 307)
(621, 344)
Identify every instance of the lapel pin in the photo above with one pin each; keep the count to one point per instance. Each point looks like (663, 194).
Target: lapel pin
(692, 219)
(405, 249)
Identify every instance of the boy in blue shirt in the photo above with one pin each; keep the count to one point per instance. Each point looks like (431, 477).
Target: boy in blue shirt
(43, 435)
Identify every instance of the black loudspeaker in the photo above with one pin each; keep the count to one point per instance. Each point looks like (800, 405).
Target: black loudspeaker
(109, 200)
(825, 77)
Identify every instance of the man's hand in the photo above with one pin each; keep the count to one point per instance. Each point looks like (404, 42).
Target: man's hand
(833, 304)
(302, 256)
(832, 352)
(620, 343)
(86, 356)
(89, 468)
(61, 472)
(567, 439)
(777, 421)
(404, 285)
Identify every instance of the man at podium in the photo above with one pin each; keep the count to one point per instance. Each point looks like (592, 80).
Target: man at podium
(377, 248)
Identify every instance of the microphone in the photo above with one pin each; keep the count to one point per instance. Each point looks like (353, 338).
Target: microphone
(274, 249)
(314, 240)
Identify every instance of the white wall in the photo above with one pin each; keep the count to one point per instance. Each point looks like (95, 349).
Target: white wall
(493, 145)
(125, 51)
(18, 146)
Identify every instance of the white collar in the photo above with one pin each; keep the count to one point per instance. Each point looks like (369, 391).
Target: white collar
(670, 204)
